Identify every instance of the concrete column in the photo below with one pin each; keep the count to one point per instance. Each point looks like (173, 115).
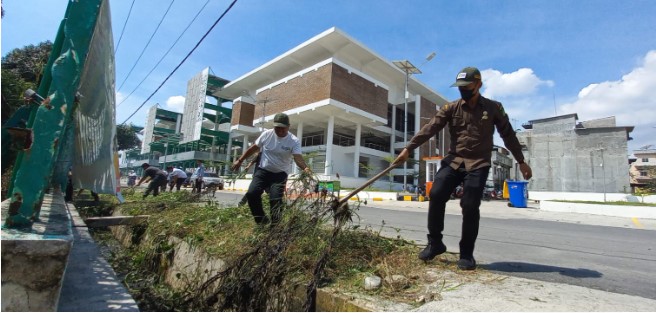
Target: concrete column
(299, 135)
(227, 158)
(415, 168)
(356, 156)
(329, 146)
(244, 145)
(393, 139)
(178, 123)
(229, 147)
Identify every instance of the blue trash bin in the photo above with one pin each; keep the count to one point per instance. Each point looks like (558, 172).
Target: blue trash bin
(518, 192)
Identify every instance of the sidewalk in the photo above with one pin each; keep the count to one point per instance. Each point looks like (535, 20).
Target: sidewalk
(90, 283)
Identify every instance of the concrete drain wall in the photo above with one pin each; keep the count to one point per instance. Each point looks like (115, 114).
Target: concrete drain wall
(34, 258)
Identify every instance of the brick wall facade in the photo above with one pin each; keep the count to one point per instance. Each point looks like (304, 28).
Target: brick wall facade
(358, 92)
(242, 113)
(298, 91)
(329, 81)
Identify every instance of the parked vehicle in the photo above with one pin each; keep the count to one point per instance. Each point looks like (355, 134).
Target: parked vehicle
(210, 179)
(489, 193)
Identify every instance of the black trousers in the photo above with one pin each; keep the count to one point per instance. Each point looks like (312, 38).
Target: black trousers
(274, 184)
(445, 182)
(68, 197)
(197, 184)
(177, 184)
(155, 184)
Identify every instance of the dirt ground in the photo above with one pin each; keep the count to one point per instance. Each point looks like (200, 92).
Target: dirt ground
(486, 291)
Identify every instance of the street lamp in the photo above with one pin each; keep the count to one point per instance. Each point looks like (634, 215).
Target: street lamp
(408, 69)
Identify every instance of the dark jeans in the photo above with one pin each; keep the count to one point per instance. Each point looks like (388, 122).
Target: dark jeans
(274, 183)
(445, 182)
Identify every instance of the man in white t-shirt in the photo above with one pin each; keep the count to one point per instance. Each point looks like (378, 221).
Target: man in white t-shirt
(277, 148)
(176, 177)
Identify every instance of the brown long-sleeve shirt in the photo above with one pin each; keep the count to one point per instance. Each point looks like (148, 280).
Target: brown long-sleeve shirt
(471, 132)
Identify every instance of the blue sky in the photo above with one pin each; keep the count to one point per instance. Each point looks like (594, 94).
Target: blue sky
(539, 58)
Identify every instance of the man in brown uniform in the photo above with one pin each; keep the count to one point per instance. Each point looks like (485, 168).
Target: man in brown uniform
(471, 121)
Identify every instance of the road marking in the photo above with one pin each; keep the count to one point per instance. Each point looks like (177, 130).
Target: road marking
(636, 222)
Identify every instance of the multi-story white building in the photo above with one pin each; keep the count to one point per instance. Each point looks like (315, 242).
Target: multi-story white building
(346, 104)
(643, 169)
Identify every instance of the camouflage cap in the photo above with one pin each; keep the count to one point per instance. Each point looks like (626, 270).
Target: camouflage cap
(281, 120)
(467, 76)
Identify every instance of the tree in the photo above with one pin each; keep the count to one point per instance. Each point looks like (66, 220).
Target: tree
(13, 87)
(127, 137)
(28, 62)
(22, 69)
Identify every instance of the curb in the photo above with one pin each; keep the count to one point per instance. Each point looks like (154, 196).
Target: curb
(419, 198)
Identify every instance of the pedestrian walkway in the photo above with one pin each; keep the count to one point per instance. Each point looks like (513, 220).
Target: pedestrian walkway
(90, 283)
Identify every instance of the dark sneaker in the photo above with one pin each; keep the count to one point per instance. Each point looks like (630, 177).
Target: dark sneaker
(467, 264)
(432, 250)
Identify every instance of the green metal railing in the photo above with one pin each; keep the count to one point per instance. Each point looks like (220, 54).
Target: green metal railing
(49, 122)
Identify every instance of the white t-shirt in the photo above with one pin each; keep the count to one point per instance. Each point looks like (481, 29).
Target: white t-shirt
(176, 172)
(277, 152)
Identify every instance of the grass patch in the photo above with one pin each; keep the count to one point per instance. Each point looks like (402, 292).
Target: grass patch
(306, 246)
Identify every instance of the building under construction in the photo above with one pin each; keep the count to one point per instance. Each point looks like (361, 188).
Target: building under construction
(179, 139)
(571, 156)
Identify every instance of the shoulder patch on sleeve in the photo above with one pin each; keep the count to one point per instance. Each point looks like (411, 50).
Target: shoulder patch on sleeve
(503, 112)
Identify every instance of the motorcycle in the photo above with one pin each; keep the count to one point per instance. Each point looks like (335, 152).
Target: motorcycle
(458, 192)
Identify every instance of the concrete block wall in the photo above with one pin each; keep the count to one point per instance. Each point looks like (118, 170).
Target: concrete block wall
(569, 159)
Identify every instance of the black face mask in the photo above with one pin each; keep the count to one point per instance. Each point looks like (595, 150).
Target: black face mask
(466, 94)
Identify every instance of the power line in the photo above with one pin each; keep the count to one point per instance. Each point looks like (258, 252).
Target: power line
(147, 44)
(165, 54)
(183, 60)
(124, 24)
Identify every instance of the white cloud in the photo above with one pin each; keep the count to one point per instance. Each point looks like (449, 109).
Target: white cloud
(631, 100)
(175, 103)
(119, 97)
(519, 83)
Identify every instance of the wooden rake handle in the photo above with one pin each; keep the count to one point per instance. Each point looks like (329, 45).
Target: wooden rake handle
(367, 183)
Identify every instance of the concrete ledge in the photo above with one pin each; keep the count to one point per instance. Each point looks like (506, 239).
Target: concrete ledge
(588, 196)
(609, 210)
(34, 258)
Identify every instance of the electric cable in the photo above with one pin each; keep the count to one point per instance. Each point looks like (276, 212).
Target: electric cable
(147, 44)
(183, 60)
(165, 54)
(124, 24)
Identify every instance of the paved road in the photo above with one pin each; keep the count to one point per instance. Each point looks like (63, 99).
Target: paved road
(613, 259)
(605, 253)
